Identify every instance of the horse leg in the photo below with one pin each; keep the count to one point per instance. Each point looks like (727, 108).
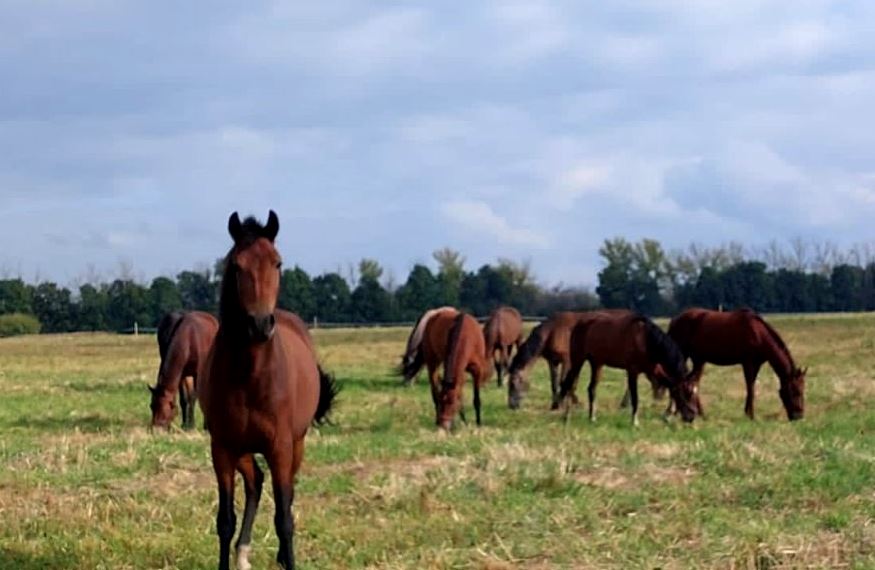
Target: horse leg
(435, 382)
(595, 377)
(253, 479)
(751, 369)
(187, 401)
(632, 388)
(501, 364)
(554, 381)
(698, 368)
(569, 381)
(281, 463)
(475, 378)
(224, 464)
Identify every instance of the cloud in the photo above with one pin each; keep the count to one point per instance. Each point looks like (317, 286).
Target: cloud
(479, 217)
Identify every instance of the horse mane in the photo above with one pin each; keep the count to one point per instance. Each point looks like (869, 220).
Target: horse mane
(529, 350)
(663, 349)
(775, 336)
(165, 335)
(412, 361)
(453, 348)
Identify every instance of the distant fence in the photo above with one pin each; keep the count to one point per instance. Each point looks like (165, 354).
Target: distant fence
(317, 324)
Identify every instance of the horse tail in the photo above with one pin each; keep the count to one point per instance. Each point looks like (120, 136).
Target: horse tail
(662, 349)
(530, 349)
(328, 390)
(453, 349)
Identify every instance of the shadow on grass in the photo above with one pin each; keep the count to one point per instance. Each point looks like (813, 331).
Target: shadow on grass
(90, 423)
(27, 561)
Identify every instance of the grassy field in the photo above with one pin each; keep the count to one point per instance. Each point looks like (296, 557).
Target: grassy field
(83, 484)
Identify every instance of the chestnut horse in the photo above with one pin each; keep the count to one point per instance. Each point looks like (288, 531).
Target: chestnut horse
(502, 332)
(412, 361)
(261, 391)
(631, 342)
(184, 339)
(740, 337)
(455, 341)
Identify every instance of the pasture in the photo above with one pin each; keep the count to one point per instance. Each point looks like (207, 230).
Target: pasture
(84, 484)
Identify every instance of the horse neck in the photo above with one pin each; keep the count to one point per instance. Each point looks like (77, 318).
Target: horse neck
(779, 358)
(527, 353)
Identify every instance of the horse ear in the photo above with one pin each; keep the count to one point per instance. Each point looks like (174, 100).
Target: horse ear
(151, 388)
(273, 226)
(234, 227)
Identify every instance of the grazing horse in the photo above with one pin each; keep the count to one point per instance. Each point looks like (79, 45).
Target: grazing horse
(262, 389)
(454, 340)
(550, 339)
(503, 331)
(412, 361)
(184, 340)
(740, 337)
(633, 343)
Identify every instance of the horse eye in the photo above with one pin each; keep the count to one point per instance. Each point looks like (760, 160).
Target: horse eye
(279, 264)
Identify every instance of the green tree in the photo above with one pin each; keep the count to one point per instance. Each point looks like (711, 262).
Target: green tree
(127, 303)
(370, 302)
(633, 276)
(197, 291)
(370, 269)
(332, 295)
(297, 293)
(846, 283)
(419, 293)
(15, 296)
(53, 308)
(451, 272)
(164, 298)
(91, 314)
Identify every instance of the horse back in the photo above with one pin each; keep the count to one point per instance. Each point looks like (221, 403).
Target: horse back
(722, 338)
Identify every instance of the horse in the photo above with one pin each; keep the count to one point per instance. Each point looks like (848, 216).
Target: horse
(503, 331)
(631, 342)
(550, 339)
(412, 361)
(454, 340)
(184, 340)
(740, 337)
(262, 389)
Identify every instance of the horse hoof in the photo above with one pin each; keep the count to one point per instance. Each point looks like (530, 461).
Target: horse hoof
(243, 557)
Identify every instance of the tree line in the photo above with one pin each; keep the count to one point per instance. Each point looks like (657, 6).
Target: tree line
(362, 296)
(804, 277)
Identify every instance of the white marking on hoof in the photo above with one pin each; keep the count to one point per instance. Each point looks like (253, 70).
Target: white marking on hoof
(243, 557)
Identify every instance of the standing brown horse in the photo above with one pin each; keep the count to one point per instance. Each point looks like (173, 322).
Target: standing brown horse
(262, 389)
(740, 337)
(633, 343)
(412, 361)
(503, 331)
(184, 340)
(456, 341)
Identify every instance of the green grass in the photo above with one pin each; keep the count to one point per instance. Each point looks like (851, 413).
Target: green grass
(83, 484)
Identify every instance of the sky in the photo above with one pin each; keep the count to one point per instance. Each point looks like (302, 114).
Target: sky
(129, 131)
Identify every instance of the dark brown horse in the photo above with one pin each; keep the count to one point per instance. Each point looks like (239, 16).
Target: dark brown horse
(551, 340)
(412, 361)
(740, 337)
(502, 332)
(631, 342)
(184, 340)
(455, 341)
(261, 391)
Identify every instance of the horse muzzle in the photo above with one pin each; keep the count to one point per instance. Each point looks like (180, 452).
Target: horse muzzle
(261, 328)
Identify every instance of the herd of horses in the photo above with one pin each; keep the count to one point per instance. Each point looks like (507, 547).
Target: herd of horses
(255, 373)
